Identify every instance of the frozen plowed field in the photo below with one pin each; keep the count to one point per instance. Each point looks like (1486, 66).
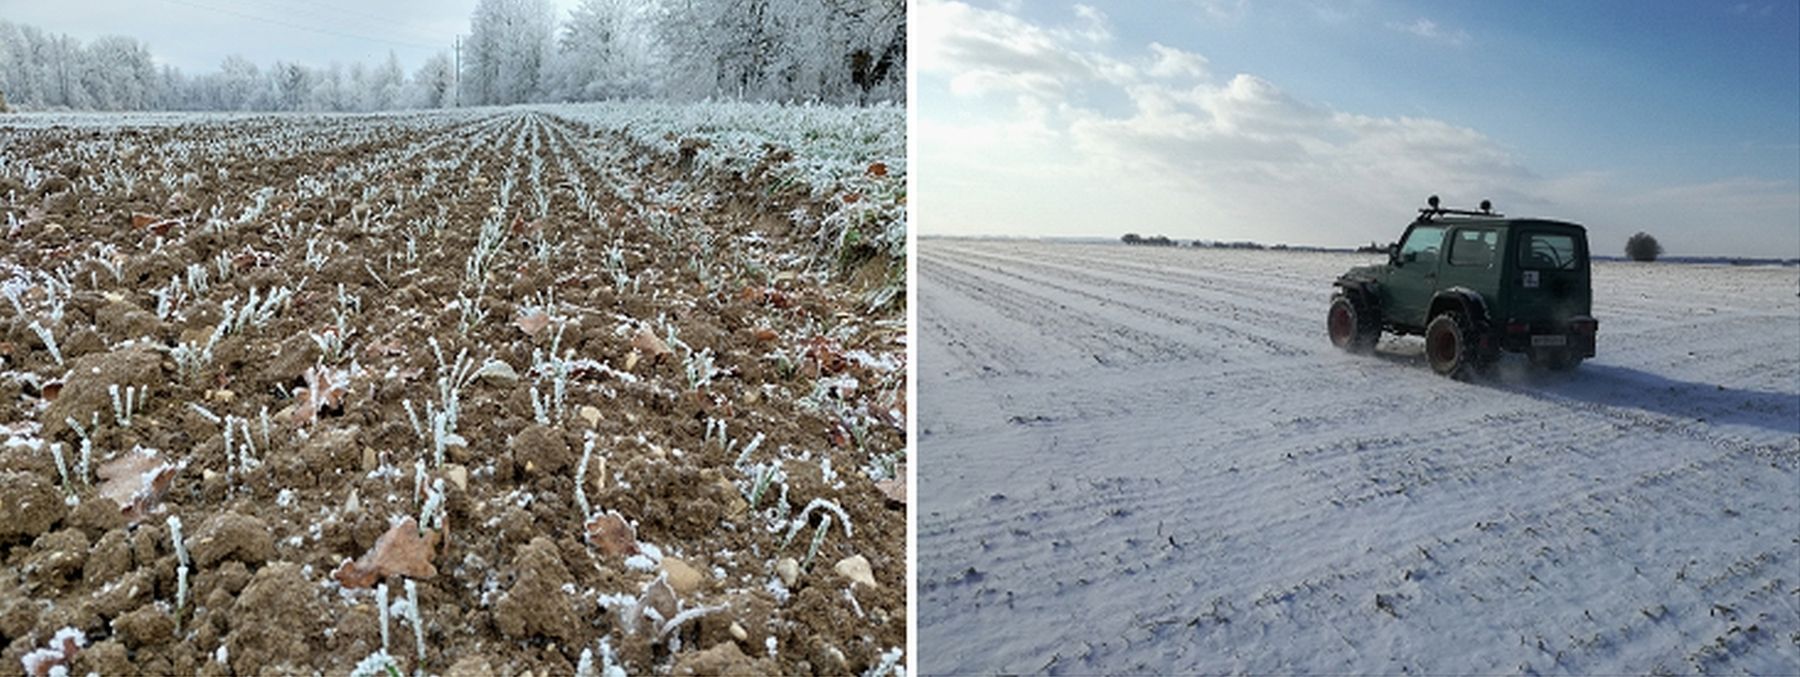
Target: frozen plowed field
(1139, 459)
(596, 389)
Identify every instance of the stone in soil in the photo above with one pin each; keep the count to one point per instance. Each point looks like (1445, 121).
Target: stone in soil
(856, 569)
(682, 577)
(724, 658)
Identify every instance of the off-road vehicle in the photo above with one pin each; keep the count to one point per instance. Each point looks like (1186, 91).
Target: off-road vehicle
(1474, 283)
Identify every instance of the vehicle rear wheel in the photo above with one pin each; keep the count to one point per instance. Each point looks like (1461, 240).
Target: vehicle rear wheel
(1353, 325)
(1451, 346)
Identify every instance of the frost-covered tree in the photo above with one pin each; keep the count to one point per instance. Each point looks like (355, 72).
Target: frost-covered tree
(433, 85)
(237, 85)
(605, 52)
(119, 74)
(328, 91)
(292, 84)
(65, 71)
(819, 50)
(509, 48)
(172, 89)
(381, 88)
(19, 77)
(838, 51)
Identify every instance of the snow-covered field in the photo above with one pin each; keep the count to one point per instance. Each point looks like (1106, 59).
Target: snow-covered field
(1152, 460)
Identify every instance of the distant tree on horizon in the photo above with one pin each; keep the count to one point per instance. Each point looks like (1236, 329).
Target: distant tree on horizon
(1132, 238)
(1643, 247)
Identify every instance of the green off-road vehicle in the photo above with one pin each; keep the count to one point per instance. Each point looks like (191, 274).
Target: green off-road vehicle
(1474, 283)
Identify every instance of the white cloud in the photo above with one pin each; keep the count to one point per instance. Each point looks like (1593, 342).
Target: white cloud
(1242, 158)
(1095, 27)
(1169, 62)
(986, 51)
(1430, 30)
(1224, 10)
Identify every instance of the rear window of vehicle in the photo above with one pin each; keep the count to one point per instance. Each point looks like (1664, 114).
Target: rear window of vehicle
(1473, 247)
(1548, 251)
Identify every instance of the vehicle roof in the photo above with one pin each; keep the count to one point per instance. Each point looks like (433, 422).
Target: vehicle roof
(1501, 222)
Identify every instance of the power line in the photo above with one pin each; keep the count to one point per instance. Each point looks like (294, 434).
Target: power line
(329, 14)
(302, 27)
(367, 15)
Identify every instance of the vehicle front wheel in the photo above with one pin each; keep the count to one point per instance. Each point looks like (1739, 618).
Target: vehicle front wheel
(1452, 347)
(1352, 324)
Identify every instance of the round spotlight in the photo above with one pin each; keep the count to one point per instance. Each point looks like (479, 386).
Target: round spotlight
(1487, 206)
(1433, 201)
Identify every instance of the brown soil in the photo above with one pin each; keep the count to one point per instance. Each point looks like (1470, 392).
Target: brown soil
(796, 356)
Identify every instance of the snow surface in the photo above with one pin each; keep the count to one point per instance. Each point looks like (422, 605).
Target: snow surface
(1141, 459)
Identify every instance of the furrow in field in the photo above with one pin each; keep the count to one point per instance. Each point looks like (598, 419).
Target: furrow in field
(1189, 334)
(1242, 308)
(1080, 326)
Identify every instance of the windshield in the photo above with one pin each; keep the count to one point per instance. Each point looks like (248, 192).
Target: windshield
(1423, 242)
(1549, 251)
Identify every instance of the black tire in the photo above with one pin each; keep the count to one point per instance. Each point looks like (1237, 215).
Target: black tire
(1555, 360)
(1352, 324)
(1452, 346)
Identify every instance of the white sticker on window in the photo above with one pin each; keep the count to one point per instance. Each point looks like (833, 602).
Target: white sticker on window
(1531, 279)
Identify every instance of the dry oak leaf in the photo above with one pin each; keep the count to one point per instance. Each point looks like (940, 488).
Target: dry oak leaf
(533, 323)
(136, 482)
(878, 169)
(399, 551)
(646, 342)
(324, 391)
(612, 535)
(142, 220)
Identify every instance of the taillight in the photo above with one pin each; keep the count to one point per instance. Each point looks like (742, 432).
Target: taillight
(1585, 326)
(1517, 328)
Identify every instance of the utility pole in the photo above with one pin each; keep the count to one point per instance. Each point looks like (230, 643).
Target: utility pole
(456, 76)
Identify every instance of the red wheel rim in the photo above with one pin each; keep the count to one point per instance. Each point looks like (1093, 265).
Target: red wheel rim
(1443, 347)
(1340, 324)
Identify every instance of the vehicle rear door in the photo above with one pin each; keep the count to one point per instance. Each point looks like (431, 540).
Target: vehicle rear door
(1550, 279)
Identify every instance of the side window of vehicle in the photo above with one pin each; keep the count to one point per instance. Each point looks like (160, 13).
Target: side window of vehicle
(1473, 247)
(1423, 244)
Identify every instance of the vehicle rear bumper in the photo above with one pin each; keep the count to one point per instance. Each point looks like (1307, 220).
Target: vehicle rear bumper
(1575, 337)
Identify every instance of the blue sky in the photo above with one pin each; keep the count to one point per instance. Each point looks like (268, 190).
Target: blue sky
(1325, 122)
